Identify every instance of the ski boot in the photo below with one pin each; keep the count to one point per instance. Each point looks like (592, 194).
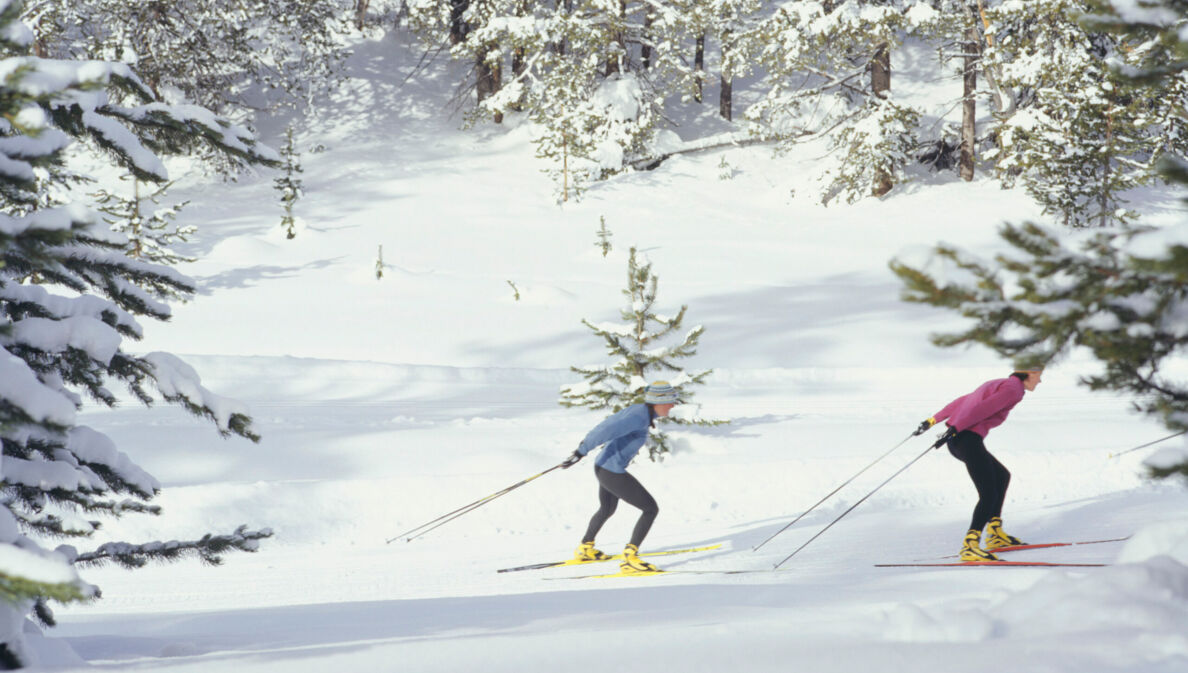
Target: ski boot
(972, 551)
(633, 564)
(996, 538)
(587, 552)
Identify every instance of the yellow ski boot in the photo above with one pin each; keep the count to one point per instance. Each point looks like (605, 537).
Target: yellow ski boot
(972, 551)
(587, 552)
(996, 538)
(632, 563)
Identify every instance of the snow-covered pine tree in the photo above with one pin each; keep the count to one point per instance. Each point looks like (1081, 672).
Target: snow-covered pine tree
(1080, 139)
(827, 70)
(575, 73)
(1120, 293)
(640, 356)
(288, 184)
(149, 227)
(227, 55)
(719, 22)
(61, 337)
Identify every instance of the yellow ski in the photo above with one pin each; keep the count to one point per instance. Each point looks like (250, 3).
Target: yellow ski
(616, 557)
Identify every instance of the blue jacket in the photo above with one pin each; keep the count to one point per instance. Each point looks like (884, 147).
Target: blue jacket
(623, 433)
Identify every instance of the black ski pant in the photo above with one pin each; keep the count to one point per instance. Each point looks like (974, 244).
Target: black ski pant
(988, 475)
(616, 486)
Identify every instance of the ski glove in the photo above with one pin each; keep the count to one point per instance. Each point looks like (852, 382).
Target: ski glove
(571, 460)
(924, 426)
(944, 439)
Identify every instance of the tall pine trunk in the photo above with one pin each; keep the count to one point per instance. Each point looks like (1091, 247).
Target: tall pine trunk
(971, 50)
(726, 95)
(489, 78)
(699, 66)
(880, 84)
(361, 13)
(458, 28)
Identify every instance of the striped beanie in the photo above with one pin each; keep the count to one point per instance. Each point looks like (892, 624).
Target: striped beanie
(660, 392)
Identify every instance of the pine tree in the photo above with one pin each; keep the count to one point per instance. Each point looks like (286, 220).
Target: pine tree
(61, 335)
(1119, 293)
(288, 184)
(227, 55)
(827, 71)
(1081, 139)
(149, 227)
(640, 357)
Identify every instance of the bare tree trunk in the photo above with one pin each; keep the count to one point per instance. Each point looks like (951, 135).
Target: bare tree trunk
(726, 95)
(617, 62)
(458, 27)
(646, 46)
(489, 79)
(361, 13)
(699, 66)
(880, 84)
(969, 106)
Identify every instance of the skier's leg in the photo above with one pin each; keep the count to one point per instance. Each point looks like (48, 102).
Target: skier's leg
(968, 448)
(607, 504)
(627, 488)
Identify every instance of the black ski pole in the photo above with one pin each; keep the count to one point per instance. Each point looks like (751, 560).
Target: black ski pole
(465, 509)
(1143, 446)
(941, 440)
(833, 492)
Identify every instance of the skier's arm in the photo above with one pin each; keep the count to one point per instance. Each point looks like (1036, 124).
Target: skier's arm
(602, 433)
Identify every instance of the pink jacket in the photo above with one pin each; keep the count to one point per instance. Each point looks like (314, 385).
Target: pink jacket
(985, 408)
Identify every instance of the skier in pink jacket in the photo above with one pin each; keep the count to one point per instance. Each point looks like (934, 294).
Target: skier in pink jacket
(970, 418)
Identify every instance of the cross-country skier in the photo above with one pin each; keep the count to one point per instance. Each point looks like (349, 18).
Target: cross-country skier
(623, 434)
(970, 418)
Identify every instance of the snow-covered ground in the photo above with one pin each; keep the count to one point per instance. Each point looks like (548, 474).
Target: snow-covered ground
(386, 403)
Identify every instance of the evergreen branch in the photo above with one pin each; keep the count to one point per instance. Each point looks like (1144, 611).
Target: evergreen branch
(208, 549)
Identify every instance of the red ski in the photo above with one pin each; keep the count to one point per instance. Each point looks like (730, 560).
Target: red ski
(1013, 564)
(1021, 547)
(1045, 545)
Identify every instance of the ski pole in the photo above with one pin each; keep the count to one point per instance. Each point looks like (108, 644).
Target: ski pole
(465, 509)
(833, 492)
(941, 440)
(1143, 446)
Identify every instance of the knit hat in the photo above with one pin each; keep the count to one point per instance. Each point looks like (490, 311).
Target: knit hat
(660, 392)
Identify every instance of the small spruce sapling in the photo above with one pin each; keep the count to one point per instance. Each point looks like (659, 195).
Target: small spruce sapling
(379, 264)
(604, 236)
(288, 184)
(639, 356)
(149, 227)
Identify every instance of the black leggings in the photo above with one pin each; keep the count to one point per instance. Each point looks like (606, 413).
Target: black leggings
(616, 486)
(989, 476)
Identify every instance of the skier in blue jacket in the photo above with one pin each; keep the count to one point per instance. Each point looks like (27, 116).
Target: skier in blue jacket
(623, 434)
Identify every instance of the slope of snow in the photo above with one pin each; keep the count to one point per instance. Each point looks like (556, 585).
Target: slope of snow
(385, 403)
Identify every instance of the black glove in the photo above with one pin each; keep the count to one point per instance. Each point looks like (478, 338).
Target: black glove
(571, 460)
(943, 439)
(924, 426)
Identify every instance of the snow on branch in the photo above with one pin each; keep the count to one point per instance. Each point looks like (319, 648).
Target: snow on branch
(208, 549)
(179, 383)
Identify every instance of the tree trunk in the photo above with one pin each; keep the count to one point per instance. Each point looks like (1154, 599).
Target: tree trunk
(726, 95)
(361, 13)
(969, 106)
(646, 41)
(489, 79)
(458, 27)
(880, 84)
(616, 63)
(699, 66)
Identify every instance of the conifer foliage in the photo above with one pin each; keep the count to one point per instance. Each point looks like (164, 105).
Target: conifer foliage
(69, 298)
(637, 344)
(1120, 293)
